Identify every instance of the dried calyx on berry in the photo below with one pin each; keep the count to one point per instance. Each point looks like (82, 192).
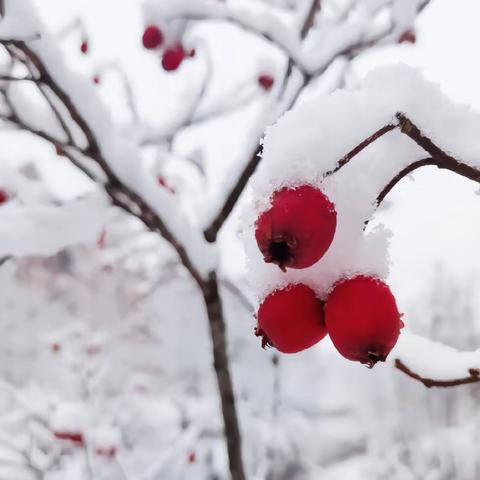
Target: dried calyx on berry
(362, 319)
(298, 228)
(291, 319)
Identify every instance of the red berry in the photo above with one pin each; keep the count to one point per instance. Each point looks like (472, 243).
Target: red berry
(173, 57)
(59, 150)
(291, 319)
(164, 184)
(55, 347)
(152, 37)
(84, 47)
(108, 452)
(297, 229)
(407, 37)
(192, 457)
(102, 239)
(96, 79)
(265, 81)
(4, 196)
(73, 437)
(363, 320)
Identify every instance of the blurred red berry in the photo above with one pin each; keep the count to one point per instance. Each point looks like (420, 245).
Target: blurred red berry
(362, 319)
(107, 452)
(4, 196)
(407, 37)
(55, 347)
(297, 229)
(84, 47)
(173, 57)
(96, 79)
(59, 151)
(291, 319)
(102, 239)
(192, 457)
(164, 184)
(74, 437)
(266, 81)
(152, 37)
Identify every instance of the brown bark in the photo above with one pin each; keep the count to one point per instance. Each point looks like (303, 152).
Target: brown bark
(213, 303)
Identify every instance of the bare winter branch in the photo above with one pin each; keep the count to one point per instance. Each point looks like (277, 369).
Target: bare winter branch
(473, 377)
(310, 19)
(358, 148)
(115, 188)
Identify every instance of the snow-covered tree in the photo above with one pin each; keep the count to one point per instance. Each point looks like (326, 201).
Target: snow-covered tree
(128, 241)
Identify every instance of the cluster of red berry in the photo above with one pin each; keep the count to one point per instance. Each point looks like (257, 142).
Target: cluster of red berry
(172, 56)
(360, 313)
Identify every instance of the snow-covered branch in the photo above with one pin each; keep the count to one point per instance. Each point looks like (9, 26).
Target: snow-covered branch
(410, 124)
(110, 151)
(434, 364)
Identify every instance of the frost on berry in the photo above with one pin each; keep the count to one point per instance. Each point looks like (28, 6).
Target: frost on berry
(297, 229)
(291, 319)
(152, 37)
(363, 320)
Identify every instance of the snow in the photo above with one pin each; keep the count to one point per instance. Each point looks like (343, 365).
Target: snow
(308, 141)
(36, 229)
(430, 359)
(152, 389)
(121, 153)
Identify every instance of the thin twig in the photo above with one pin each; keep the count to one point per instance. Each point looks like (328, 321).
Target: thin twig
(358, 148)
(406, 171)
(29, 78)
(310, 19)
(473, 377)
(115, 188)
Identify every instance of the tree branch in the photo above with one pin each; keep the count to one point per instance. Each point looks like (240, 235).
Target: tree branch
(310, 19)
(232, 198)
(406, 171)
(442, 159)
(358, 148)
(115, 188)
(473, 377)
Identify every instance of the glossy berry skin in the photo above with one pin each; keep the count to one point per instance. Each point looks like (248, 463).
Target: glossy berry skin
(152, 37)
(266, 81)
(173, 57)
(362, 319)
(291, 319)
(298, 228)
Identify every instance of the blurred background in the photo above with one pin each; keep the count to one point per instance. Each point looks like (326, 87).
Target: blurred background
(105, 356)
